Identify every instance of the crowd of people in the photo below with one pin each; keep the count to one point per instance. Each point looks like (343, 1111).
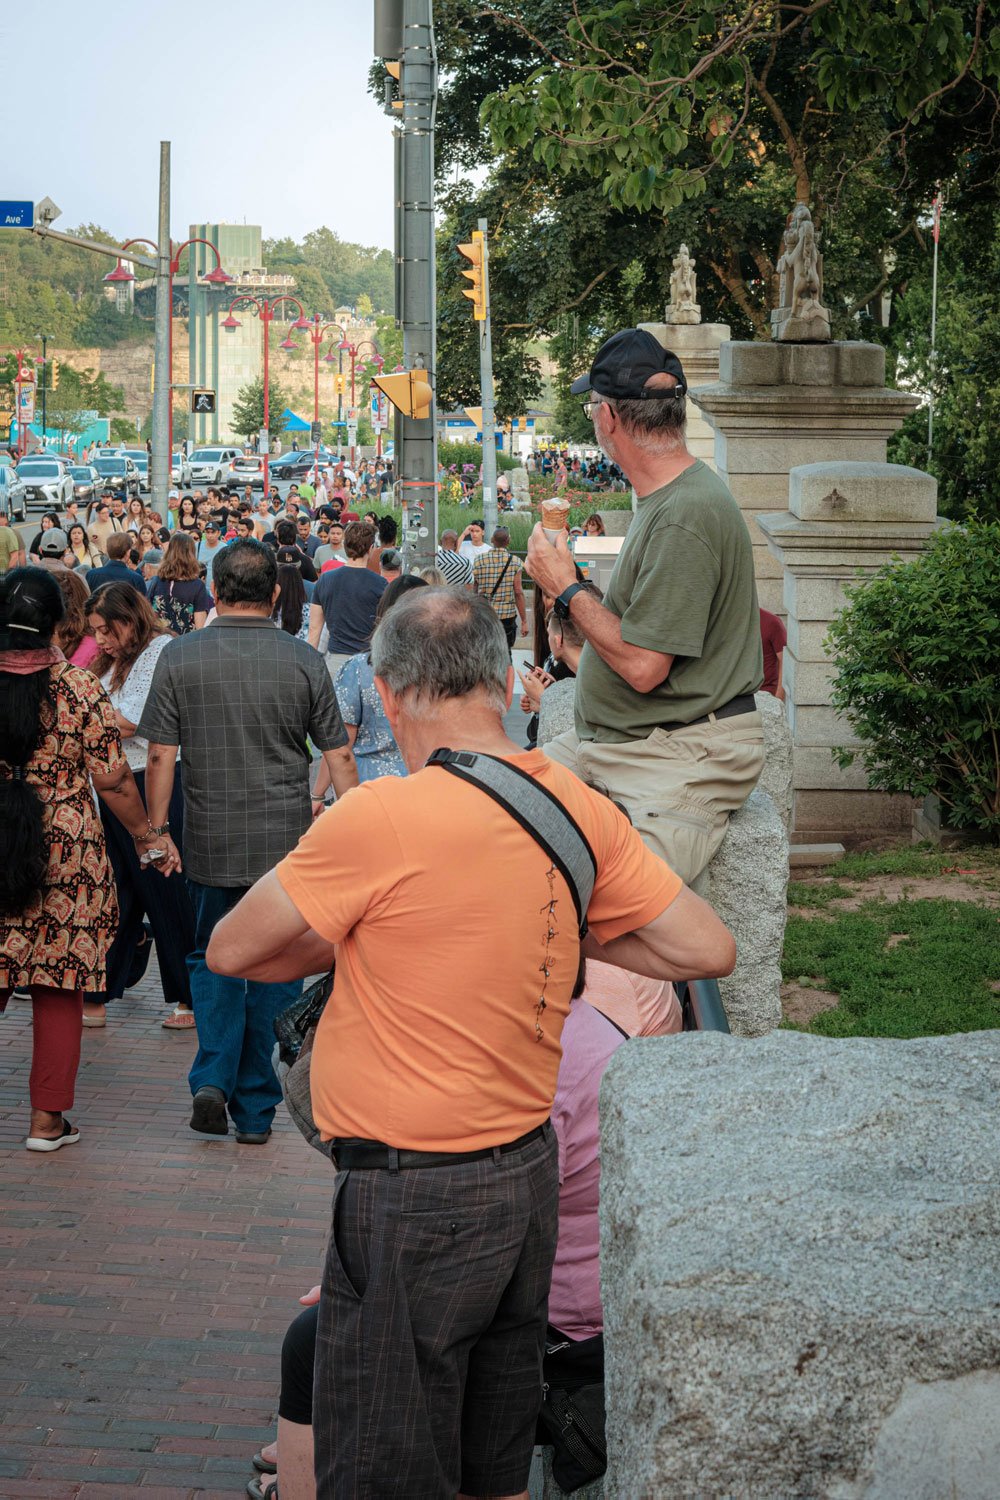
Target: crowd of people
(301, 762)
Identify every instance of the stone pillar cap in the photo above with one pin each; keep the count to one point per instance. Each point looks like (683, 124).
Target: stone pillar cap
(872, 493)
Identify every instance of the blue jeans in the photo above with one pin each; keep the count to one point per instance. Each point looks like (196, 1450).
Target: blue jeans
(235, 1020)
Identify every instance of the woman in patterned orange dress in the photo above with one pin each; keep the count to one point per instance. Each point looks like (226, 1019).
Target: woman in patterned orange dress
(58, 908)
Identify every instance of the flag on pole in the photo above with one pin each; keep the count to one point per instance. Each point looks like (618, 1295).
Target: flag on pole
(937, 218)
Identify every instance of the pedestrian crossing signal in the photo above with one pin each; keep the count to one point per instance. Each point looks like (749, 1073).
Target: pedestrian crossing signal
(203, 402)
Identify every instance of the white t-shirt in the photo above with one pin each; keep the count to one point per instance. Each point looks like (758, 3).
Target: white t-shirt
(130, 699)
(470, 550)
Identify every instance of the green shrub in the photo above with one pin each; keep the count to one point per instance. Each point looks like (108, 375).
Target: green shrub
(917, 652)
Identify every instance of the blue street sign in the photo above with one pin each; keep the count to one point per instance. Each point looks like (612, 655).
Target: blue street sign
(16, 215)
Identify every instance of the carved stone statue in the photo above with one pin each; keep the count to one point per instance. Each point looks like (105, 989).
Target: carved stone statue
(683, 307)
(800, 316)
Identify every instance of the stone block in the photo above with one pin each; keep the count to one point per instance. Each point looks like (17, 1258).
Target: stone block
(814, 769)
(751, 364)
(799, 1272)
(773, 452)
(746, 884)
(818, 724)
(860, 364)
(854, 491)
(815, 595)
(851, 814)
(776, 777)
(769, 595)
(811, 364)
(802, 856)
(556, 714)
(806, 639)
(765, 564)
(758, 491)
(807, 682)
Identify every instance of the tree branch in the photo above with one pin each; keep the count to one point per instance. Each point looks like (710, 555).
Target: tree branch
(567, 306)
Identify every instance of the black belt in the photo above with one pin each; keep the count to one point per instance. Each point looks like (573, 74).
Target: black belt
(373, 1156)
(746, 703)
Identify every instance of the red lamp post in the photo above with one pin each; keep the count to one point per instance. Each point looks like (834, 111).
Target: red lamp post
(265, 311)
(354, 350)
(216, 277)
(316, 331)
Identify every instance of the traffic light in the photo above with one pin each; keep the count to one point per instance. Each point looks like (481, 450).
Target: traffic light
(203, 402)
(475, 415)
(476, 293)
(340, 384)
(54, 375)
(409, 391)
(393, 69)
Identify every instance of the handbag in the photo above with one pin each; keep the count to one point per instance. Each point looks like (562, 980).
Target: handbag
(295, 1032)
(572, 1412)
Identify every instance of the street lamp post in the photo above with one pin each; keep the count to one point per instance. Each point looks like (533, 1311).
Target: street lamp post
(354, 350)
(265, 311)
(316, 332)
(120, 276)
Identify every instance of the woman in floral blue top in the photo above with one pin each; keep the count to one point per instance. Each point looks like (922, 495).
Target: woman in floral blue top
(368, 732)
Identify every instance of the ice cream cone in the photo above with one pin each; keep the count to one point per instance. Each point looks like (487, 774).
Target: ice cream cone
(555, 514)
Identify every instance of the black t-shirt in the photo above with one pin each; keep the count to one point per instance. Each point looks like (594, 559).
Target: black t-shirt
(176, 601)
(349, 598)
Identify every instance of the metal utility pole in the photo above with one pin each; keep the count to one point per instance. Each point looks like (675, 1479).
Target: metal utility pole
(934, 287)
(162, 374)
(45, 382)
(404, 31)
(486, 396)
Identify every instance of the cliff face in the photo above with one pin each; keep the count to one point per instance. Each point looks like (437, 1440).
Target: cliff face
(131, 367)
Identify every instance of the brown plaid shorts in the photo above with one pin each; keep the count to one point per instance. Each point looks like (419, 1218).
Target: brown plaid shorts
(432, 1327)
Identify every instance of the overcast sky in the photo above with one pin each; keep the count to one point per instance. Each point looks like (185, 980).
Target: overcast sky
(265, 105)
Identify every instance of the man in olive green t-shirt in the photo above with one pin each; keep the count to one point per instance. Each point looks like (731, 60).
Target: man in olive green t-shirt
(665, 712)
(11, 546)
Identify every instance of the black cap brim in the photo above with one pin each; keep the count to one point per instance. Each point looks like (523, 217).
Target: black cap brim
(581, 385)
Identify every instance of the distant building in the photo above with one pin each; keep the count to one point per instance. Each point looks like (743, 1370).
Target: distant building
(223, 359)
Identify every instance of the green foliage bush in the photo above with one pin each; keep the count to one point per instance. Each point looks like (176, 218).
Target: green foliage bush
(918, 675)
(457, 454)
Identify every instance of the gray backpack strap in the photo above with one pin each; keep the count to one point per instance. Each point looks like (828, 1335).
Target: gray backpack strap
(539, 813)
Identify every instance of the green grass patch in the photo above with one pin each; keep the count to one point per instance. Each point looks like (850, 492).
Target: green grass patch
(917, 859)
(803, 893)
(935, 981)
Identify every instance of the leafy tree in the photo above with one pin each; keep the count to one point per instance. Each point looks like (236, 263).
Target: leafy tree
(363, 307)
(123, 430)
(80, 395)
(248, 408)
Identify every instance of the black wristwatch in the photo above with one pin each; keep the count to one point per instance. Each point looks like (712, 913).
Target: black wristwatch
(561, 606)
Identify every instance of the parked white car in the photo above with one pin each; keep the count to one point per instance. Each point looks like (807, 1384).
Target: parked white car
(208, 465)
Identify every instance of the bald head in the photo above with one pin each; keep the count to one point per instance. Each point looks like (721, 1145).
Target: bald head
(439, 645)
(449, 541)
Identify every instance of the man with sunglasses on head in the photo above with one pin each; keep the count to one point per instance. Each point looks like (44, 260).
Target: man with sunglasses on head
(665, 710)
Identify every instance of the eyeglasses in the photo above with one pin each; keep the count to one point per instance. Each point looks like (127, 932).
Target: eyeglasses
(589, 407)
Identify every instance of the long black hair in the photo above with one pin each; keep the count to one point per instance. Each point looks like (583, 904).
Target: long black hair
(290, 606)
(31, 606)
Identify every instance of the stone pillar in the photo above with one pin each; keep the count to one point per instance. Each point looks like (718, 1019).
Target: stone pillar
(779, 405)
(697, 347)
(843, 520)
(799, 1268)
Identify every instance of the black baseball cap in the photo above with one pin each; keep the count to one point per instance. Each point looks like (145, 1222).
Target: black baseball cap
(625, 362)
(211, 526)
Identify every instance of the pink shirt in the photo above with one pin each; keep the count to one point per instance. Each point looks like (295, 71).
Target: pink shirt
(641, 1007)
(86, 652)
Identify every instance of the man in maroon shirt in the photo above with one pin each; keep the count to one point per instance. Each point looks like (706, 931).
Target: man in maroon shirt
(773, 637)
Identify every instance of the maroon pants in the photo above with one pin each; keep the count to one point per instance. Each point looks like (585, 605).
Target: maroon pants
(57, 1026)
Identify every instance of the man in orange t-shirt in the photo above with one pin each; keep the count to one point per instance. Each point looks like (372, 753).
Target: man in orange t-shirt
(434, 1066)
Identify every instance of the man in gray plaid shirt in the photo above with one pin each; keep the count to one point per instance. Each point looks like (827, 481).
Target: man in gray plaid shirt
(241, 698)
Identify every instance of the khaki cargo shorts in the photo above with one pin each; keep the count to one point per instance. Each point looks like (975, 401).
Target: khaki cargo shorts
(679, 785)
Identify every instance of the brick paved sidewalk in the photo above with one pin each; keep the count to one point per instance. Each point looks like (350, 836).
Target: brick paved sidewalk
(147, 1278)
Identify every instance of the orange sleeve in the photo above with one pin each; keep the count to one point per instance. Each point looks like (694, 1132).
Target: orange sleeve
(633, 885)
(343, 865)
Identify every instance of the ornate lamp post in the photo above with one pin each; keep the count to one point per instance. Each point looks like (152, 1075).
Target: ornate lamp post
(265, 309)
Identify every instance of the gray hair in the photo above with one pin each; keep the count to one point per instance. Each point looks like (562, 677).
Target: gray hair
(655, 425)
(440, 644)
